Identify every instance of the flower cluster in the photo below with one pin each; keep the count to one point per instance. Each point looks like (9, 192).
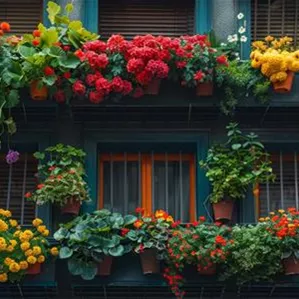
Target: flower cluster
(20, 248)
(275, 58)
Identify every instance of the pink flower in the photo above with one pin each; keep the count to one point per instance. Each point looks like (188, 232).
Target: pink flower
(79, 88)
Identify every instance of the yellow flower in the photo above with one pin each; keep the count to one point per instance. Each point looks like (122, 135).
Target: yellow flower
(294, 67)
(160, 214)
(25, 246)
(169, 219)
(5, 213)
(272, 213)
(54, 251)
(36, 222)
(41, 228)
(14, 267)
(36, 250)
(31, 260)
(13, 243)
(17, 233)
(269, 38)
(13, 222)
(28, 252)
(41, 259)
(3, 226)
(10, 248)
(46, 233)
(3, 277)
(281, 211)
(23, 265)
(8, 261)
(267, 218)
(2, 244)
(291, 225)
(28, 233)
(261, 219)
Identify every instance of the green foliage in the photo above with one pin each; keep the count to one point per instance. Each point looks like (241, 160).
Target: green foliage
(236, 165)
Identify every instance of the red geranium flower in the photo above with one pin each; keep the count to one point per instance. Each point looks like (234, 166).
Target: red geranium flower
(96, 97)
(48, 71)
(28, 195)
(67, 75)
(59, 96)
(79, 88)
(199, 76)
(40, 186)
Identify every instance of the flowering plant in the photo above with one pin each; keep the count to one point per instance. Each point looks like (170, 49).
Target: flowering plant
(199, 244)
(88, 239)
(62, 176)
(151, 231)
(20, 249)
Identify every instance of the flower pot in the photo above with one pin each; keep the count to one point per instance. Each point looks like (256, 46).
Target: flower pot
(104, 268)
(209, 271)
(285, 86)
(34, 269)
(291, 265)
(205, 89)
(153, 87)
(149, 262)
(71, 207)
(223, 210)
(38, 94)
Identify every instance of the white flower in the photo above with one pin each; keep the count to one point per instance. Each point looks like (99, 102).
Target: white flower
(242, 30)
(223, 44)
(243, 39)
(229, 38)
(235, 37)
(240, 16)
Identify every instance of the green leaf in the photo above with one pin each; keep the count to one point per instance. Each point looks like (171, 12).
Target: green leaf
(11, 125)
(89, 271)
(49, 80)
(65, 252)
(70, 61)
(236, 146)
(56, 51)
(69, 8)
(117, 251)
(62, 233)
(129, 219)
(50, 37)
(75, 267)
(26, 51)
(12, 99)
(75, 25)
(286, 254)
(53, 10)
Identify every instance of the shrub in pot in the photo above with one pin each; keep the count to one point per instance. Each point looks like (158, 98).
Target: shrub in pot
(61, 177)
(89, 242)
(149, 238)
(233, 167)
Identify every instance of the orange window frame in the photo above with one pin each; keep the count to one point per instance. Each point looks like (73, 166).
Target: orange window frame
(146, 176)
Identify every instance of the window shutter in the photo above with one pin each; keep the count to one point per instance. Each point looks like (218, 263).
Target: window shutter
(15, 181)
(275, 17)
(23, 15)
(131, 17)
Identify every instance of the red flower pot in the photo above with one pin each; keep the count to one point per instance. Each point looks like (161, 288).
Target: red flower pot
(149, 262)
(223, 210)
(209, 271)
(285, 86)
(34, 269)
(153, 87)
(104, 268)
(38, 94)
(71, 207)
(205, 89)
(291, 265)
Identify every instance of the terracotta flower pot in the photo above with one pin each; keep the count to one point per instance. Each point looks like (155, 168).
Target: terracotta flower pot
(285, 86)
(104, 268)
(34, 269)
(209, 271)
(223, 210)
(71, 207)
(291, 265)
(205, 89)
(149, 262)
(38, 94)
(153, 87)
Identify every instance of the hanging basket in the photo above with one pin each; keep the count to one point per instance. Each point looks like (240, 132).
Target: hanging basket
(285, 86)
(209, 271)
(153, 87)
(72, 206)
(291, 265)
(38, 94)
(223, 210)
(34, 269)
(205, 89)
(104, 268)
(149, 262)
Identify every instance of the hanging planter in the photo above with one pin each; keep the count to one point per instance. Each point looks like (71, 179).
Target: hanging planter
(223, 210)
(208, 271)
(205, 89)
(286, 85)
(149, 262)
(34, 269)
(104, 268)
(153, 87)
(72, 206)
(291, 265)
(38, 94)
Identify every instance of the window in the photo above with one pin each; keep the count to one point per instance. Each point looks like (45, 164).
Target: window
(151, 180)
(283, 193)
(275, 17)
(23, 15)
(158, 17)
(15, 180)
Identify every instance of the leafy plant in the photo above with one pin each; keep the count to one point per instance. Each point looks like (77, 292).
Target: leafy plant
(88, 239)
(236, 165)
(62, 176)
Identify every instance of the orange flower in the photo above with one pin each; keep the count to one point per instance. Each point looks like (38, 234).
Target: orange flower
(161, 214)
(139, 210)
(169, 219)
(138, 223)
(36, 33)
(35, 42)
(5, 26)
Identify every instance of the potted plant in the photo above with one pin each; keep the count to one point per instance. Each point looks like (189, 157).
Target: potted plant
(277, 60)
(149, 238)
(23, 251)
(233, 167)
(202, 245)
(61, 178)
(284, 226)
(90, 242)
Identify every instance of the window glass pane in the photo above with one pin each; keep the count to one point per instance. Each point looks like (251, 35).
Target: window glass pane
(172, 188)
